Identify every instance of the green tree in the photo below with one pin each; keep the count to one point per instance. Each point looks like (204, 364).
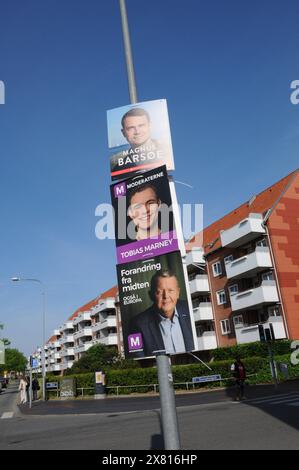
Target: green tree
(14, 360)
(100, 357)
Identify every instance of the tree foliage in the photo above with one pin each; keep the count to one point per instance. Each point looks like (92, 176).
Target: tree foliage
(14, 360)
(100, 357)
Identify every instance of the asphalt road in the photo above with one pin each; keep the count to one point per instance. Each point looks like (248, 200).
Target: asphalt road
(268, 419)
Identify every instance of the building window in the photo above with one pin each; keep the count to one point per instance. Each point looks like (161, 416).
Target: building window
(225, 327)
(262, 243)
(233, 290)
(221, 297)
(267, 276)
(274, 311)
(238, 321)
(217, 269)
(228, 259)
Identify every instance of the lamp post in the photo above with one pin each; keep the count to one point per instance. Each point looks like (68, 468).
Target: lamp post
(17, 279)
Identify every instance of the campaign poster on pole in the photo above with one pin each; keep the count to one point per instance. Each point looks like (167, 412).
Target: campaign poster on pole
(144, 223)
(139, 138)
(154, 306)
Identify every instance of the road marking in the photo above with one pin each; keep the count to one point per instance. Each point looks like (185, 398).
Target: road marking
(274, 397)
(7, 414)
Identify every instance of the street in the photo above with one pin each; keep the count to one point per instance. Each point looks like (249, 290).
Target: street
(268, 421)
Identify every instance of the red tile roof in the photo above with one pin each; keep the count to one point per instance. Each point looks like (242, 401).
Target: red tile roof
(92, 303)
(259, 203)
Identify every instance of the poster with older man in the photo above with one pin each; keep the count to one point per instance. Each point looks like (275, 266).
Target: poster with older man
(139, 138)
(155, 312)
(144, 225)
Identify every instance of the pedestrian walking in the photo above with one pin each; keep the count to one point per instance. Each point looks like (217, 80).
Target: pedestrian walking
(239, 373)
(35, 388)
(22, 390)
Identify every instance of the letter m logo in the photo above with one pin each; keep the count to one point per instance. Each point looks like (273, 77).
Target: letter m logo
(120, 190)
(135, 342)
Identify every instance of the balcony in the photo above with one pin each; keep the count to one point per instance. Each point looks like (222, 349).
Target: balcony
(249, 265)
(252, 298)
(83, 347)
(67, 326)
(195, 256)
(199, 284)
(67, 352)
(57, 332)
(57, 344)
(207, 341)
(203, 312)
(83, 332)
(55, 367)
(105, 304)
(110, 340)
(243, 232)
(250, 334)
(84, 316)
(67, 339)
(57, 355)
(109, 322)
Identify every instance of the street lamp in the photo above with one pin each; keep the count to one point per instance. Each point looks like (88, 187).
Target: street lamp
(17, 279)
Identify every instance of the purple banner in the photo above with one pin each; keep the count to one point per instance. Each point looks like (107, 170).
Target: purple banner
(147, 248)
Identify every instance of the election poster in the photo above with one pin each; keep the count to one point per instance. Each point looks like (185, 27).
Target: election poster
(139, 138)
(144, 225)
(154, 306)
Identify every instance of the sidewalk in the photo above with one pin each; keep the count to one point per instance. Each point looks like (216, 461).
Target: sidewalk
(146, 403)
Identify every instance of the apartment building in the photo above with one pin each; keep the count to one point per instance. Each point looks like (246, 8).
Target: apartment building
(252, 264)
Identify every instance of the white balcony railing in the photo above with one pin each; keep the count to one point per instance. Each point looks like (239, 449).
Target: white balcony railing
(109, 322)
(83, 332)
(203, 312)
(110, 340)
(84, 316)
(195, 256)
(250, 334)
(67, 339)
(104, 304)
(243, 232)
(264, 294)
(199, 284)
(249, 265)
(83, 347)
(67, 352)
(207, 341)
(67, 326)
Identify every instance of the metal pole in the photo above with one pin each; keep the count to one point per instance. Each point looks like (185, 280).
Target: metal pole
(128, 52)
(168, 409)
(30, 386)
(43, 350)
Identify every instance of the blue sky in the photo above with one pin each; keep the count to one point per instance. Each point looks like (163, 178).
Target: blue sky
(225, 69)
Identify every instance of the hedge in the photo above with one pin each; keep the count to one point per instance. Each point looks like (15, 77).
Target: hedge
(257, 349)
(258, 371)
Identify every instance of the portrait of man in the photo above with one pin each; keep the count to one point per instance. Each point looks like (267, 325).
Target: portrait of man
(166, 324)
(144, 205)
(148, 143)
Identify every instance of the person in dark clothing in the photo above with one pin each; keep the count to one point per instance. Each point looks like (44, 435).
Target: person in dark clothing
(239, 373)
(35, 388)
